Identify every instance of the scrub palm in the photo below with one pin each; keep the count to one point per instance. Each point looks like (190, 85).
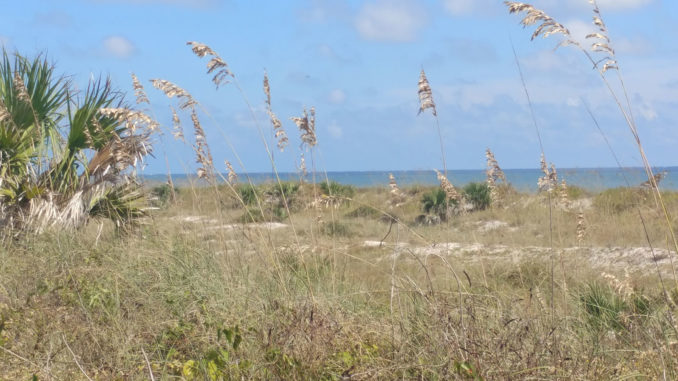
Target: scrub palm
(61, 158)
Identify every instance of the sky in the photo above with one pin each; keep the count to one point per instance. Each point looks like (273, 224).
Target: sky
(358, 64)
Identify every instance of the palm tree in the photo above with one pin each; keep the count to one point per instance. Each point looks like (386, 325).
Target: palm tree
(66, 156)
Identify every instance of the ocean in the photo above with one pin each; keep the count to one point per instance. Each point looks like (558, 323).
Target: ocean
(525, 180)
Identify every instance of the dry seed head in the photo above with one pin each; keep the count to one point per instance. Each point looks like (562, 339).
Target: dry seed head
(171, 90)
(216, 65)
(20, 87)
(133, 119)
(448, 188)
(494, 172)
(564, 197)
(623, 287)
(425, 95)
(581, 228)
(4, 113)
(177, 130)
(202, 150)
(651, 184)
(302, 167)
(307, 128)
(267, 90)
(232, 176)
(547, 26)
(278, 130)
(397, 196)
(139, 91)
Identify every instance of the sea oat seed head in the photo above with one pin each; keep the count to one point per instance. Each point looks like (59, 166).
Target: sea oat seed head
(232, 176)
(448, 188)
(307, 128)
(20, 87)
(425, 95)
(139, 91)
(216, 65)
(171, 90)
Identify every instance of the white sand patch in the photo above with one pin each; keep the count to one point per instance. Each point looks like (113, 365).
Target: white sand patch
(606, 257)
(486, 226)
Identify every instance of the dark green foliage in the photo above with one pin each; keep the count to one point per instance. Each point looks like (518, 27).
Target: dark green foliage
(436, 203)
(478, 194)
(365, 212)
(163, 194)
(336, 229)
(335, 189)
(618, 200)
(248, 193)
(57, 148)
(603, 307)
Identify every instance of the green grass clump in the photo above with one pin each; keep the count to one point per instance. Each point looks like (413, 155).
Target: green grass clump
(478, 194)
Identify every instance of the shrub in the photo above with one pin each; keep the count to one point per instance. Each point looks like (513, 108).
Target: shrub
(437, 203)
(163, 194)
(84, 137)
(618, 200)
(335, 189)
(248, 193)
(365, 212)
(478, 194)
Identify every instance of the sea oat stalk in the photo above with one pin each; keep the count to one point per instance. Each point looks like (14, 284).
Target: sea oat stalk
(139, 91)
(278, 130)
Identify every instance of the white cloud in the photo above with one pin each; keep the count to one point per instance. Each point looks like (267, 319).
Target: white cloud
(118, 46)
(337, 96)
(335, 130)
(394, 21)
(321, 11)
(188, 3)
(613, 5)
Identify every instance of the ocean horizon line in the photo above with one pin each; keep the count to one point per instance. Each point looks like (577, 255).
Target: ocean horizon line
(524, 179)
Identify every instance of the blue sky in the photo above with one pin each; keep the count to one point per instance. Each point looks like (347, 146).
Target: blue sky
(358, 63)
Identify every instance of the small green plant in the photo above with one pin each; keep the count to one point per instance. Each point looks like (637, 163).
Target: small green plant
(437, 203)
(162, 194)
(478, 194)
(336, 229)
(603, 307)
(248, 193)
(364, 211)
(336, 189)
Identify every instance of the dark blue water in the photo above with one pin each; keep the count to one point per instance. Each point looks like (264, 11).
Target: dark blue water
(594, 179)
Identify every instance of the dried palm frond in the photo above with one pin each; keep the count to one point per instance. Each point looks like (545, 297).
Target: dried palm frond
(202, 150)
(278, 130)
(307, 128)
(448, 188)
(232, 176)
(425, 95)
(216, 65)
(133, 119)
(20, 87)
(118, 154)
(171, 90)
(139, 91)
